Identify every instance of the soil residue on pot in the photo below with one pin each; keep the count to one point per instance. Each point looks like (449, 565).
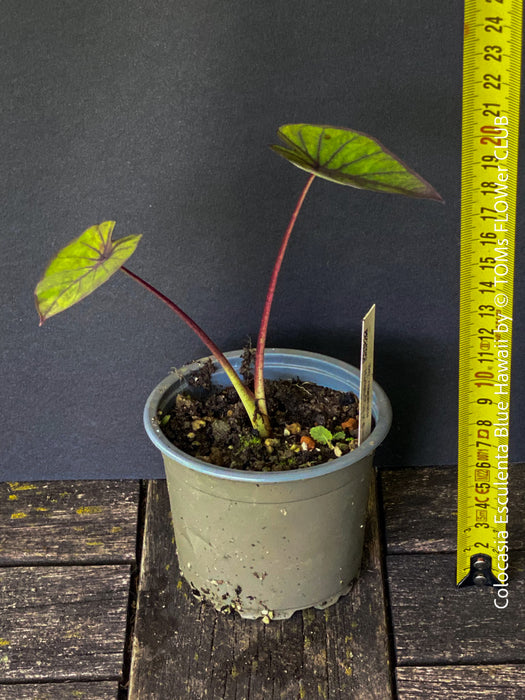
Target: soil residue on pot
(211, 424)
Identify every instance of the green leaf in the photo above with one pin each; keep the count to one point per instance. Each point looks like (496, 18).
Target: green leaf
(80, 268)
(350, 158)
(321, 434)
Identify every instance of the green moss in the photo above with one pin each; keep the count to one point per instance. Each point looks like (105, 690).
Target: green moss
(247, 441)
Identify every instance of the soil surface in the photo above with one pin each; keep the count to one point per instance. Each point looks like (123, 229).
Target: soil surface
(211, 424)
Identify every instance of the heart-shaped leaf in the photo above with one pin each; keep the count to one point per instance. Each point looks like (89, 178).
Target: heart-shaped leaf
(350, 158)
(80, 268)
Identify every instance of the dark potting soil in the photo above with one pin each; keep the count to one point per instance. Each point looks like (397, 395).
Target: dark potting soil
(211, 424)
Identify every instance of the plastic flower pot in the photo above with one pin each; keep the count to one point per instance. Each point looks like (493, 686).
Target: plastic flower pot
(270, 543)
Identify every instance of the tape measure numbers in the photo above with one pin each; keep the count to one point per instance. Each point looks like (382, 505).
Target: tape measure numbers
(491, 99)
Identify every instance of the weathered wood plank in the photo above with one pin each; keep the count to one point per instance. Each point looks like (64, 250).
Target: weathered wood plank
(68, 522)
(461, 682)
(435, 623)
(62, 622)
(101, 690)
(185, 649)
(420, 509)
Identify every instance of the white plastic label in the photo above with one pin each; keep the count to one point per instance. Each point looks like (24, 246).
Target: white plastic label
(367, 375)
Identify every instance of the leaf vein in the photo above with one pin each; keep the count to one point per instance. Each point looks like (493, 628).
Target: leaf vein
(338, 150)
(319, 142)
(357, 160)
(305, 147)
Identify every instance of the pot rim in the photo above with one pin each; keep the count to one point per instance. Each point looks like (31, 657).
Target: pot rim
(381, 410)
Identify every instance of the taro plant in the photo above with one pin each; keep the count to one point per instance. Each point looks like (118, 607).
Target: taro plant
(343, 156)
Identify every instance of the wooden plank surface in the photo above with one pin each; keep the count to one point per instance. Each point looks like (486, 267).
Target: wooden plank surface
(101, 690)
(435, 623)
(461, 682)
(420, 509)
(182, 648)
(62, 622)
(68, 522)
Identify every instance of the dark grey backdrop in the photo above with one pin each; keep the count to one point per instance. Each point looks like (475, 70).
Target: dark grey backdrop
(158, 115)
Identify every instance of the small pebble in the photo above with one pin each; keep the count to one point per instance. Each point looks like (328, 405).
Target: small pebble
(270, 443)
(307, 443)
(350, 424)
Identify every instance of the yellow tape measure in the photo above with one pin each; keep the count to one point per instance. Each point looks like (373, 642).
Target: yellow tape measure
(491, 99)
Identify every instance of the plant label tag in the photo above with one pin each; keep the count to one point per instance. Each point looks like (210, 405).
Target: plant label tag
(367, 375)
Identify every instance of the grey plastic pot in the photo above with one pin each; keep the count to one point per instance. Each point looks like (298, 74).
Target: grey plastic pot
(270, 543)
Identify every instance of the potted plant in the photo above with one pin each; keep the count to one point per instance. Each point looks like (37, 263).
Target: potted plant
(269, 519)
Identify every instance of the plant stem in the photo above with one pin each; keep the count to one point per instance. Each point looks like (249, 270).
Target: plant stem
(260, 397)
(244, 393)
